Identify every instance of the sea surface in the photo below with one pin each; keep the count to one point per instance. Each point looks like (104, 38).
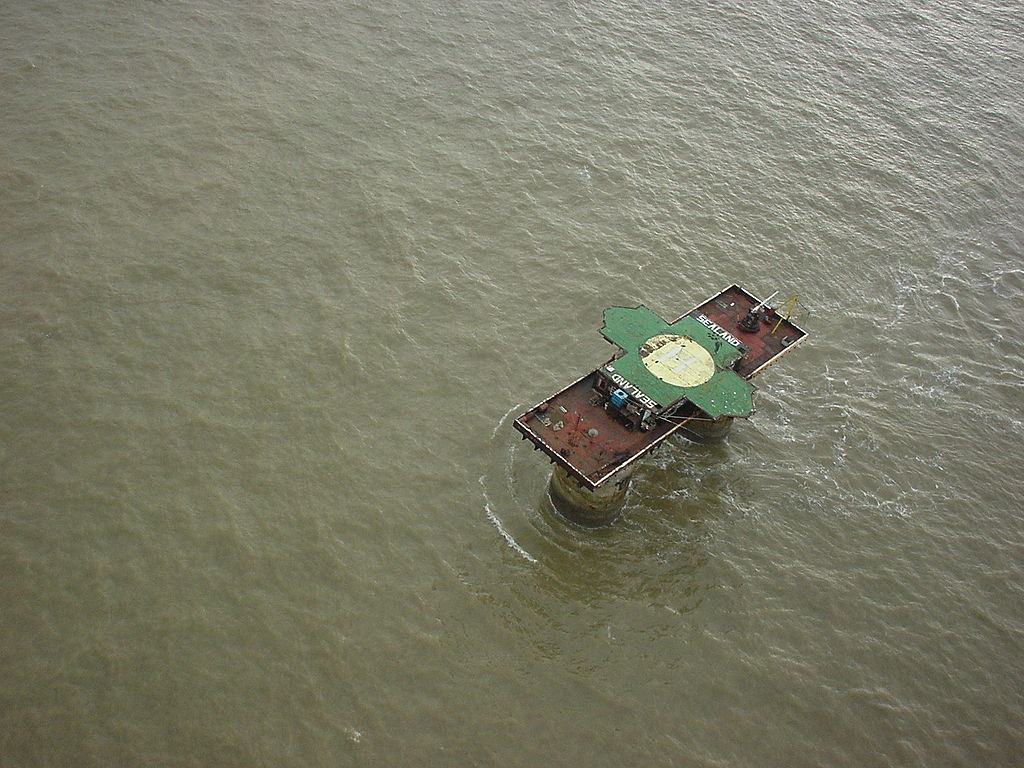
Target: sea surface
(276, 276)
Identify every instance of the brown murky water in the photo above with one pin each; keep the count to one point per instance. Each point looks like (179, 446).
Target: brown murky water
(276, 277)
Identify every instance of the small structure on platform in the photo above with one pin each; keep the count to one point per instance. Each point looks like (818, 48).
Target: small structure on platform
(692, 374)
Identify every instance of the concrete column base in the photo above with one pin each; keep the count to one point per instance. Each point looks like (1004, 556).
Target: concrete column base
(586, 507)
(708, 431)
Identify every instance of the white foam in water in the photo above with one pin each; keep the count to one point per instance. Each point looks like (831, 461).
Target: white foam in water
(501, 528)
(505, 534)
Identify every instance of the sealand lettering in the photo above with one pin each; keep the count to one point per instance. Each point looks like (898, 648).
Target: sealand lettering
(631, 389)
(705, 321)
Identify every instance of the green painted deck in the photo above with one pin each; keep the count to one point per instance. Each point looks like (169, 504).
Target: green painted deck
(723, 393)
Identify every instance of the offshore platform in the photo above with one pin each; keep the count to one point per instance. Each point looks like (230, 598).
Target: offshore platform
(690, 375)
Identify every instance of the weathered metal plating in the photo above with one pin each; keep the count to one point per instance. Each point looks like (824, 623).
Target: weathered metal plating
(593, 442)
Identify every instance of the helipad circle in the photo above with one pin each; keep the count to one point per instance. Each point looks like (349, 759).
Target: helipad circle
(677, 360)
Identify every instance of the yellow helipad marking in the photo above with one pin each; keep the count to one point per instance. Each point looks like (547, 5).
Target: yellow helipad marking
(678, 360)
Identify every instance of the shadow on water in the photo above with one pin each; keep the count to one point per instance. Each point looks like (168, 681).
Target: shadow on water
(654, 554)
(584, 595)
